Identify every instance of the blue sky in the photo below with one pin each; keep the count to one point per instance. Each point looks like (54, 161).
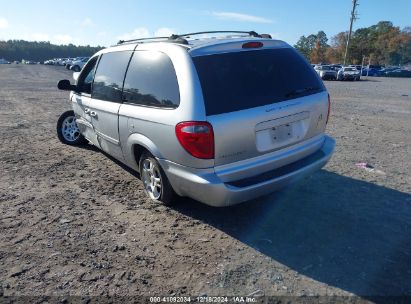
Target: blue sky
(104, 22)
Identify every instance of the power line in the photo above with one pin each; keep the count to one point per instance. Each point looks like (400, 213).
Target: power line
(352, 19)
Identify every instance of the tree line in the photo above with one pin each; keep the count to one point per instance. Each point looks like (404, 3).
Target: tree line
(382, 43)
(41, 51)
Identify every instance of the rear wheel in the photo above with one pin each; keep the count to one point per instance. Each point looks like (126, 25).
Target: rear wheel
(76, 68)
(155, 182)
(67, 130)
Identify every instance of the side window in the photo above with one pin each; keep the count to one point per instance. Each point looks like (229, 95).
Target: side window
(108, 81)
(151, 81)
(85, 79)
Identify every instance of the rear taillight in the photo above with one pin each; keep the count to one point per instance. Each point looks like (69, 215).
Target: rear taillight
(329, 108)
(197, 138)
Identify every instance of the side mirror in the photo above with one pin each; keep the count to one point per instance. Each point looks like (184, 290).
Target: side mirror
(65, 85)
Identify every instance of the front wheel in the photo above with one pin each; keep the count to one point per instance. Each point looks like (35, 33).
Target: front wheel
(155, 182)
(67, 130)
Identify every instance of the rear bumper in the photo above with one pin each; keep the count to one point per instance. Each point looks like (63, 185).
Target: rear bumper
(329, 76)
(205, 186)
(345, 77)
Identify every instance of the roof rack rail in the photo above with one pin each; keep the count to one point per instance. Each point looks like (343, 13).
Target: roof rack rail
(179, 38)
(140, 39)
(250, 33)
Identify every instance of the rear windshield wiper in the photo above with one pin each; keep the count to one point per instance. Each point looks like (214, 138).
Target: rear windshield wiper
(302, 91)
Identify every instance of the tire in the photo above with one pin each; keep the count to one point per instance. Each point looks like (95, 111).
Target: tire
(155, 182)
(76, 68)
(67, 130)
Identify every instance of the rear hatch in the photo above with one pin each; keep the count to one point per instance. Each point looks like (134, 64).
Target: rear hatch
(260, 100)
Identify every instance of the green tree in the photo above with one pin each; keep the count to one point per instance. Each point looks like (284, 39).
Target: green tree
(40, 51)
(303, 47)
(314, 42)
(383, 42)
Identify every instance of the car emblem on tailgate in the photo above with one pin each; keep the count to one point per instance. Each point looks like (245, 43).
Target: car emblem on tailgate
(282, 107)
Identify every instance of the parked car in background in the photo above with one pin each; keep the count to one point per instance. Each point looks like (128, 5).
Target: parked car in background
(60, 61)
(326, 72)
(50, 61)
(398, 73)
(349, 73)
(375, 66)
(67, 60)
(384, 71)
(4, 61)
(70, 62)
(357, 66)
(372, 72)
(336, 67)
(77, 65)
(220, 120)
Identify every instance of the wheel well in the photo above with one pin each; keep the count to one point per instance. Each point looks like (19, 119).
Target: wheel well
(138, 151)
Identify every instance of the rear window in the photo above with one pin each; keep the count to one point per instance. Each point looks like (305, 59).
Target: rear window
(248, 79)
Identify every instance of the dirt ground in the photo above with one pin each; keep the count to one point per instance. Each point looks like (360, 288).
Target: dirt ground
(75, 222)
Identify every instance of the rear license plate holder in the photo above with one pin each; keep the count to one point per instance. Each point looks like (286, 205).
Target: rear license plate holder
(281, 133)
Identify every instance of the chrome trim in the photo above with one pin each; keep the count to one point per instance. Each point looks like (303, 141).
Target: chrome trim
(108, 138)
(282, 121)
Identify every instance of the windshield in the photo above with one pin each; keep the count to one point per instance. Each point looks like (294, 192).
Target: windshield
(350, 69)
(248, 79)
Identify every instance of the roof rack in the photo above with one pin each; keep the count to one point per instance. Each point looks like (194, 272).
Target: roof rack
(179, 38)
(250, 33)
(140, 39)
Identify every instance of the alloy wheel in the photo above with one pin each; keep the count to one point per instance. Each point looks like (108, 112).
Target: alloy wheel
(69, 129)
(151, 179)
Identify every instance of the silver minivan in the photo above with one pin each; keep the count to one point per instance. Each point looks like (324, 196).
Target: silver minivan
(222, 119)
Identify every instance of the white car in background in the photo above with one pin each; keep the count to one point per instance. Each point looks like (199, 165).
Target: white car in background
(77, 65)
(349, 73)
(325, 72)
(60, 61)
(68, 61)
(4, 61)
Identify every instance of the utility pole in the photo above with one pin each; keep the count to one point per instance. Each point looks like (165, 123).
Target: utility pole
(352, 19)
